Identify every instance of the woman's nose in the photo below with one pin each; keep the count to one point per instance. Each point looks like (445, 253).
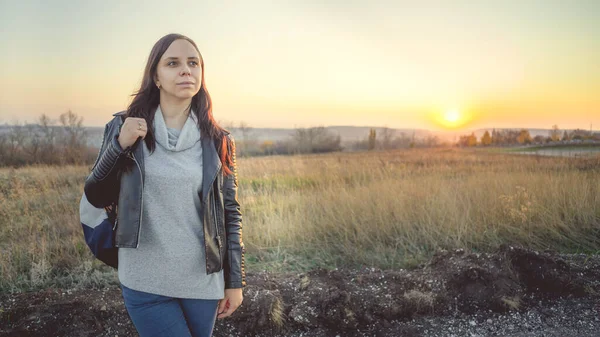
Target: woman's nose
(185, 70)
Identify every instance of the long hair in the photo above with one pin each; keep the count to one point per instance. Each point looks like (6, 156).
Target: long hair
(147, 98)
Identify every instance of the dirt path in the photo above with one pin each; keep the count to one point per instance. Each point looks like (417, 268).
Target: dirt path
(512, 292)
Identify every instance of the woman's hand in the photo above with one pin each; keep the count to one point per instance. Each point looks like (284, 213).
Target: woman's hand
(233, 299)
(131, 130)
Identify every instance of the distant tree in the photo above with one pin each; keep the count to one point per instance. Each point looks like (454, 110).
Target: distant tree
(386, 138)
(432, 141)
(539, 139)
(565, 136)
(44, 143)
(511, 136)
(467, 140)
(34, 144)
(315, 140)
(246, 131)
(267, 147)
(74, 138)
(3, 149)
(372, 139)
(73, 125)
(580, 134)
(498, 137)
(16, 142)
(401, 141)
(472, 140)
(49, 149)
(486, 140)
(524, 137)
(505, 137)
(555, 133)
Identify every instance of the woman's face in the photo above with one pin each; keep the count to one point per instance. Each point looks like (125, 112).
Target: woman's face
(179, 64)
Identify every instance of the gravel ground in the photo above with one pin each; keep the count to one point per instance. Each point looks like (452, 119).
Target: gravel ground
(510, 292)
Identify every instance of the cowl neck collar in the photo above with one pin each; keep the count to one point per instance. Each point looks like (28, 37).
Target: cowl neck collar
(189, 135)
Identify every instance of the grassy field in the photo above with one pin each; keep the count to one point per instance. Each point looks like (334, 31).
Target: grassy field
(386, 209)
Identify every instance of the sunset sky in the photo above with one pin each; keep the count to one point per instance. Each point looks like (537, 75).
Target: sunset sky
(436, 65)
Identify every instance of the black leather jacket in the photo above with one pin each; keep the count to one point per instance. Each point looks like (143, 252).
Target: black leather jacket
(118, 174)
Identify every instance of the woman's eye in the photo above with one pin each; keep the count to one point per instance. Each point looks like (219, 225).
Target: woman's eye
(194, 62)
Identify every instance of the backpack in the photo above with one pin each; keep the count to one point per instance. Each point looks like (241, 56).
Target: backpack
(99, 227)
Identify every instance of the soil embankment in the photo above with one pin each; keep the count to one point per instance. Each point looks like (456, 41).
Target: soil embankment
(511, 292)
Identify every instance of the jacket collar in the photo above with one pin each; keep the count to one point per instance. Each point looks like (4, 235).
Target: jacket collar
(210, 160)
(210, 164)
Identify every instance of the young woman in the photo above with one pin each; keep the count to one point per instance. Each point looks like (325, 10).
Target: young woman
(179, 224)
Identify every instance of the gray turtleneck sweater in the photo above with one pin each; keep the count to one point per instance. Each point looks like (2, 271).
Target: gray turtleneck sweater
(170, 258)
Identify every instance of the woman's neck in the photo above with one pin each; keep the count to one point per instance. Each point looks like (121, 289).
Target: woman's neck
(175, 113)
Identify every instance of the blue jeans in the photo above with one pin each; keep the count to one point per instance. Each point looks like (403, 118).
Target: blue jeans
(156, 315)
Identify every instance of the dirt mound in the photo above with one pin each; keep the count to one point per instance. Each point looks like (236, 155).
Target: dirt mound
(345, 302)
(500, 280)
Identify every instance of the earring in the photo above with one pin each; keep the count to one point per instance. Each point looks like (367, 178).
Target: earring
(158, 85)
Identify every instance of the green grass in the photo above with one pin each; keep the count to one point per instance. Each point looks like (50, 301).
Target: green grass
(561, 147)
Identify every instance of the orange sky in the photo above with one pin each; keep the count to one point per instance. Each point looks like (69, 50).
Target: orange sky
(374, 63)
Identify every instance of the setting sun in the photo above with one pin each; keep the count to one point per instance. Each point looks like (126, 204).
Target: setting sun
(452, 116)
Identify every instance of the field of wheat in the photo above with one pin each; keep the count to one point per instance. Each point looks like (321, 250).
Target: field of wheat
(388, 209)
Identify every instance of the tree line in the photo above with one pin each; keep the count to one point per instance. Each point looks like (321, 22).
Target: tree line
(320, 139)
(65, 141)
(302, 141)
(389, 139)
(523, 137)
(51, 142)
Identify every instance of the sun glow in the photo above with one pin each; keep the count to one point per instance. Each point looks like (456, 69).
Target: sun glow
(451, 118)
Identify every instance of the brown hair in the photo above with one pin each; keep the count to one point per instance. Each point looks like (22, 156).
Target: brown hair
(147, 98)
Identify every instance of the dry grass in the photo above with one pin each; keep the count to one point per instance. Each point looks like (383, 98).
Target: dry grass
(387, 209)
(420, 301)
(512, 303)
(276, 313)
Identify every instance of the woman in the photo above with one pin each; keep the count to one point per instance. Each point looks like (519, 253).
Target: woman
(176, 274)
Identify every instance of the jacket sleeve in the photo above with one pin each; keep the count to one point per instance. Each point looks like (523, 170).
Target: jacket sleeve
(234, 273)
(102, 184)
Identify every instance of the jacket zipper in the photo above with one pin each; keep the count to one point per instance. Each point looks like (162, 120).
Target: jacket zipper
(142, 199)
(217, 229)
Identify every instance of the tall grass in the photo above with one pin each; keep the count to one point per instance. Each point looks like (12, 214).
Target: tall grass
(386, 209)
